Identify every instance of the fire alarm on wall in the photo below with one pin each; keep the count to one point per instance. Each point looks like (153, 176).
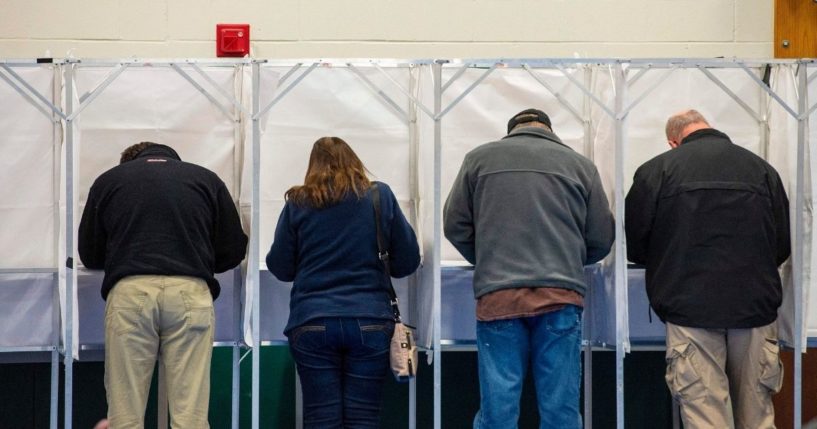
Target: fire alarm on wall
(232, 40)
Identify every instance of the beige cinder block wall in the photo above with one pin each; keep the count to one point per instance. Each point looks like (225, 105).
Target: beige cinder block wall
(391, 28)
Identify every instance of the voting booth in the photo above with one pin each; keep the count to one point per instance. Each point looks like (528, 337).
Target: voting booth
(253, 122)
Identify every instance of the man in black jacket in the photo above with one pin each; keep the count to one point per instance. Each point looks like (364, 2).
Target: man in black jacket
(710, 220)
(160, 228)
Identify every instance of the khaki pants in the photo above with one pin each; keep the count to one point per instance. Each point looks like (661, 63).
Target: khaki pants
(724, 378)
(171, 317)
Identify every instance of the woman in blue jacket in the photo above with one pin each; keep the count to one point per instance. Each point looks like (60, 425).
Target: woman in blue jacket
(340, 319)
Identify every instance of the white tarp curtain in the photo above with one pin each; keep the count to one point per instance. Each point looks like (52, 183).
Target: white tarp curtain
(29, 173)
(811, 301)
(27, 308)
(782, 154)
(604, 311)
(331, 101)
(156, 104)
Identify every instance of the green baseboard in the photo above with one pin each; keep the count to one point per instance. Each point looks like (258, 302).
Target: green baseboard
(25, 393)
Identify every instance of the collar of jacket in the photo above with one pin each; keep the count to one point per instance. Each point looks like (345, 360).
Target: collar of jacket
(159, 150)
(536, 132)
(703, 133)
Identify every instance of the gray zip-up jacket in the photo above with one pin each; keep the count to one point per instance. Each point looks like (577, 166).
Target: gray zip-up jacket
(528, 211)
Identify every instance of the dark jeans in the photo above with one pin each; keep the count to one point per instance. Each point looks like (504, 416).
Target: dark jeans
(342, 363)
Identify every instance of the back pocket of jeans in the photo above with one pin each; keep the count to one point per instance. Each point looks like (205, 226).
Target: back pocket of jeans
(308, 337)
(566, 321)
(377, 336)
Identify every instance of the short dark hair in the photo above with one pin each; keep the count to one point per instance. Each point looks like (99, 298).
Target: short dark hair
(133, 151)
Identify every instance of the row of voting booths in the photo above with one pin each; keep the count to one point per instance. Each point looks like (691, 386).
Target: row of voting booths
(253, 121)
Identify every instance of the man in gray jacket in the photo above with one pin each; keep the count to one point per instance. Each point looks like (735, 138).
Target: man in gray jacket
(529, 213)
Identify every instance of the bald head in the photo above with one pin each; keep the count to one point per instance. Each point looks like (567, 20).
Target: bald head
(683, 124)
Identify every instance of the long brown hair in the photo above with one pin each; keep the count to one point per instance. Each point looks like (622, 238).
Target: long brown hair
(334, 171)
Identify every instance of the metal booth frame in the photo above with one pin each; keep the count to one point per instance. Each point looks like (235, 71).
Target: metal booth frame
(234, 109)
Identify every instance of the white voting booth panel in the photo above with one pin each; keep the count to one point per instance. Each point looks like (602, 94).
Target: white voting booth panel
(811, 303)
(29, 169)
(688, 88)
(155, 104)
(29, 215)
(28, 305)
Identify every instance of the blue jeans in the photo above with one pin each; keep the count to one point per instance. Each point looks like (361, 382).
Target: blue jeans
(342, 363)
(551, 344)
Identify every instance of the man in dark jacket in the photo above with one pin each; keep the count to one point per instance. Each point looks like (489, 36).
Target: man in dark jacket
(529, 213)
(710, 220)
(160, 228)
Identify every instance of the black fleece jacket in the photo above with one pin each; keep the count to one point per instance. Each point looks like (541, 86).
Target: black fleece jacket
(710, 220)
(158, 215)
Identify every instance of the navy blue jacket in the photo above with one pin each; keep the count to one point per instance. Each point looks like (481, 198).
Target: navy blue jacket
(158, 215)
(331, 256)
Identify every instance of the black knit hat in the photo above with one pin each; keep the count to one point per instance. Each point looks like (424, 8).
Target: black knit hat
(529, 115)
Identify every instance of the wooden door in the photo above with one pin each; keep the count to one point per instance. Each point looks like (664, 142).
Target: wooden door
(795, 28)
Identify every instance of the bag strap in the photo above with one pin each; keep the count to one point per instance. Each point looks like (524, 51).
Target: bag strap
(382, 253)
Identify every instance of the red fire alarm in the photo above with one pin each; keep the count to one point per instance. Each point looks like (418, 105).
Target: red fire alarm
(232, 40)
